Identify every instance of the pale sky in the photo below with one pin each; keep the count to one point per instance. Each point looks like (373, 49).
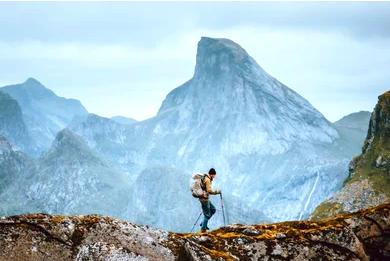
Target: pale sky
(123, 58)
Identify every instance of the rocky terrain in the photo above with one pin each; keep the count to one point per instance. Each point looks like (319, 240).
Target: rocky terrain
(368, 183)
(364, 235)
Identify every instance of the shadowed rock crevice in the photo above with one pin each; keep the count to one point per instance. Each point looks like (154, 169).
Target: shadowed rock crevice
(376, 223)
(38, 228)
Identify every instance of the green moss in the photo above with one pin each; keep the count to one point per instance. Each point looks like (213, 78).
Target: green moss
(366, 167)
(327, 209)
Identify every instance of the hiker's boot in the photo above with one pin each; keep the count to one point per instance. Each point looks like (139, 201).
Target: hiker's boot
(203, 230)
(202, 225)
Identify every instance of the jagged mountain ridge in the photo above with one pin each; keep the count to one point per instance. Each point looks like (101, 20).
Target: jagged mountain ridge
(228, 89)
(44, 113)
(360, 236)
(69, 178)
(368, 183)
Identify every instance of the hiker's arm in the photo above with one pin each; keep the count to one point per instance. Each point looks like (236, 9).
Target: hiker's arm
(209, 189)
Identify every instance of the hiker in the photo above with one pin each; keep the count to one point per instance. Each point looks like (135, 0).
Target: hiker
(207, 207)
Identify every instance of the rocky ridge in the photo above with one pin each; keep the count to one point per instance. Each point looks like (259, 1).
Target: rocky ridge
(364, 235)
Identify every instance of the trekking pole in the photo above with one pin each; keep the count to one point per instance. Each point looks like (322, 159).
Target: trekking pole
(196, 222)
(223, 211)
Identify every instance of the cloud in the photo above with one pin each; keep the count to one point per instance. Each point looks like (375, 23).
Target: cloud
(334, 54)
(94, 55)
(146, 23)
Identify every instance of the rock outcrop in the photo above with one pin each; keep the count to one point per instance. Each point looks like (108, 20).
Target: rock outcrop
(364, 235)
(368, 183)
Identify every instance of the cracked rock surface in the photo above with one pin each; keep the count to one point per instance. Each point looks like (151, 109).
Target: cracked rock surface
(364, 235)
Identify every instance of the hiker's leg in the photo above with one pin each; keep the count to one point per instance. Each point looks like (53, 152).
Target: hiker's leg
(206, 213)
(212, 209)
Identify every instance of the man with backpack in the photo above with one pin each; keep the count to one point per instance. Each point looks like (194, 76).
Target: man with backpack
(207, 207)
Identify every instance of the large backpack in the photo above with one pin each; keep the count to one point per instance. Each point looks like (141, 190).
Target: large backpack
(198, 188)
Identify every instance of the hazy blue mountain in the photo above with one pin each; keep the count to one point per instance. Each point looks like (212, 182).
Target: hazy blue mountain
(12, 125)
(352, 129)
(357, 120)
(123, 120)
(70, 179)
(15, 166)
(109, 138)
(44, 112)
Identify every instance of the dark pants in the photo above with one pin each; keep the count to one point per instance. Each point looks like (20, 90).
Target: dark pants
(208, 211)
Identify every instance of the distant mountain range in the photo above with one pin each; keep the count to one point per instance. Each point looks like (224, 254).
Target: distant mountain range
(276, 156)
(68, 178)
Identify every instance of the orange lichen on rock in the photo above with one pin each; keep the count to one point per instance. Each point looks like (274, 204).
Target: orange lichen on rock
(358, 236)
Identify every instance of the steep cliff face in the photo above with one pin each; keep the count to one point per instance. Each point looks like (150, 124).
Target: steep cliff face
(364, 235)
(14, 164)
(12, 125)
(368, 183)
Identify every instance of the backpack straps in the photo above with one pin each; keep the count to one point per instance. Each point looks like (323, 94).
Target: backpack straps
(202, 182)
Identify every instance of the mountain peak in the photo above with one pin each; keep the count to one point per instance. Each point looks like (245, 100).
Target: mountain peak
(32, 81)
(71, 147)
(219, 56)
(357, 120)
(67, 139)
(31, 88)
(221, 45)
(229, 82)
